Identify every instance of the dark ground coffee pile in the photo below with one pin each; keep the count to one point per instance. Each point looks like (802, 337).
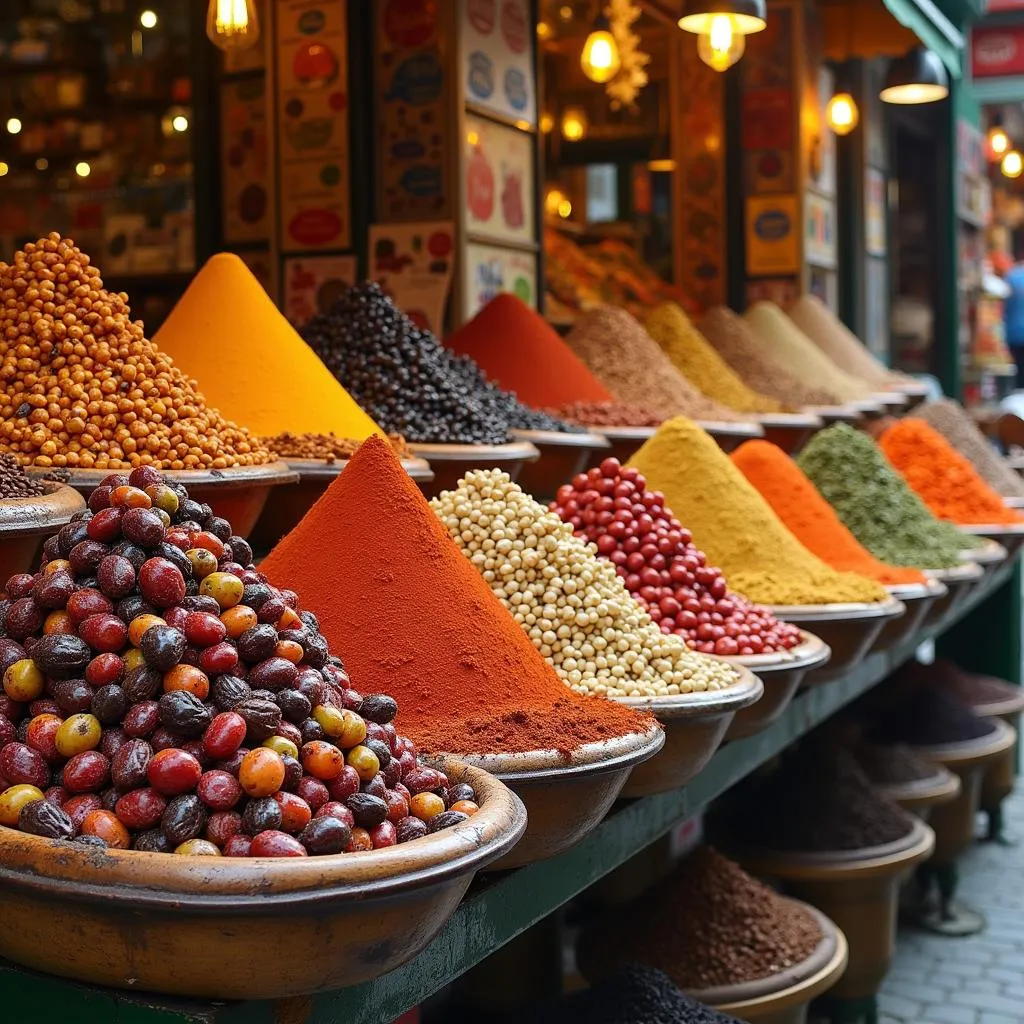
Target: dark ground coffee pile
(818, 801)
(973, 689)
(15, 482)
(931, 716)
(890, 764)
(633, 995)
(708, 924)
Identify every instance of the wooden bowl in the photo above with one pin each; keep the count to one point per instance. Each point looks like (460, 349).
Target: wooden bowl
(790, 431)
(919, 599)
(695, 725)
(729, 436)
(228, 928)
(1001, 775)
(26, 522)
(286, 506)
(1010, 535)
(623, 442)
(237, 494)
(850, 630)
(781, 674)
(921, 795)
(451, 462)
(959, 582)
(566, 798)
(562, 456)
(859, 891)
(783, 998)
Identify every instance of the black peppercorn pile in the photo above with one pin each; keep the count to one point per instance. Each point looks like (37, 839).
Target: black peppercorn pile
(931, 716)
(820, 800)
(892, 764)
(708, 924)
(408, 381)
(15, 482)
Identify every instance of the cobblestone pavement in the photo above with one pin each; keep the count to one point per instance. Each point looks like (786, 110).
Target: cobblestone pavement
(977, 980)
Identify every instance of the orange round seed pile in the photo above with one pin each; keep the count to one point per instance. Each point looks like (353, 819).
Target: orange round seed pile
(82, 385)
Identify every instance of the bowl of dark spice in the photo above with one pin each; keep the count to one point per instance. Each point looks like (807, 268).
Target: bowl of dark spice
(724, 938)
(906, 778)
(818, 825)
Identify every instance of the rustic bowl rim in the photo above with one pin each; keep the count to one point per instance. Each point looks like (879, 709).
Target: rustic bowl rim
(727, 428)
(274, 472)
(998, 740)
(790, 419)
(840, 611)
(897, 399)
(811, 652)
(213, 884)
(747, 690)
(998, 708)
(944, 784)
(557, 439)
(843, 411)
(932, 588)
(965, 572)
(476, 454)
(39, 513)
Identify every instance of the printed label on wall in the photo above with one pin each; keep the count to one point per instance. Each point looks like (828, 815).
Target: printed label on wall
(875, 206)
(245, 155)
(312, 71)
(498, 168)
(819, 230)
(497, 57)
(413, 263)
(773, 240)
(490, 270)
(312, 284)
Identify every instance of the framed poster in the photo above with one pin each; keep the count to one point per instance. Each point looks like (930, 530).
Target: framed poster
(498, 181)
(496, 61)
(820, 241)
(313, 283)
(875, 207)
(489, 270)
(413, 263)
(245, 156)
(773, 240)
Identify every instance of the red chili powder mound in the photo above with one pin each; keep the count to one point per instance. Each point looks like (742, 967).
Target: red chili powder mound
(521, 352)
(411, 617)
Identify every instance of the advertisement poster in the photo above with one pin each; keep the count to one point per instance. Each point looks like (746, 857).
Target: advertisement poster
(244, 161)
(773, 241)
(768, 119)
(312, 91)
(820, 241)
(313, 283)
(768, 170)
(498, 167)
(413, 263)
(874, 212)
(490, 270)
(497, 58)
(414, 180)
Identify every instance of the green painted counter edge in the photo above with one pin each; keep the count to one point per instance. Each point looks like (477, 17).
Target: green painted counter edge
(497, 908)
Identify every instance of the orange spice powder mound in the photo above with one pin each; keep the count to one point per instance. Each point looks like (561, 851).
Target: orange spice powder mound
(809, 517)
(943, 479)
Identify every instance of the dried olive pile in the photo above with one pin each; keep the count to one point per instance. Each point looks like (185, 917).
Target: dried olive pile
(15, 482)
(408, 381)
(160, 695)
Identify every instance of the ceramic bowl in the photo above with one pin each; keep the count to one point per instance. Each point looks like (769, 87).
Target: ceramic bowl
(989, 554)
(451, 462)
(836, 413)
(26, 522)
(729, 436)
(790, 431)
(562, 456)
(921, 795)
(1010, 535)
(623, 442)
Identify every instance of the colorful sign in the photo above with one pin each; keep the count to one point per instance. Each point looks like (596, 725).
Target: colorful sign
(997, 50)
(245, 201)
(413, 263)
(768, 119)
(313, 283)
(820, 242)
(497, 58)
(875, 206)
(312, 99)
(489, 270)
(498, 169)
(773, 235)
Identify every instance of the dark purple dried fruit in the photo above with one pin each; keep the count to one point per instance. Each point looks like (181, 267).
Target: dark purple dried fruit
(41, 818)
(142, 526)
(294, 706)
(257, 643)
(368, 810)
(116, 576)
(109, 703)
(325, 835)
(162, 646)
(184, 818)
(153, 841)
(229, 691)
(61, 655)
(73, 696)
(184, 713)
(262, 717)
(273, 674)
(129, 764)
(260, 815)
(445, 820)
(410, 828)
(379, 708)
(52, 591)
(142, 683)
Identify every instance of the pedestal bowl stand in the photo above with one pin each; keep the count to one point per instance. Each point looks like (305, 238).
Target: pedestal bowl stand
(919, 599)
(623, 442)
(790, 431)
(959, 582)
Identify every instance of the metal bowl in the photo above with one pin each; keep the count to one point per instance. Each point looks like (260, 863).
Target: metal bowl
(890, 401)
(212, 927)
(623, 442)
(781, 673)
(562, 456)
(1014, 503)
(237, 494)
(790, 431)
(566, 797)
(26, 522)
(959, 582)
(451, 462)
(989, 555)
(919, 599)
(1010, 535)
(914, 393)
(695, 725)
(729, 436)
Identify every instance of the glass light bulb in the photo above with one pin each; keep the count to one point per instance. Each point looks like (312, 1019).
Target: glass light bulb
(82, 169)
(842, 113)
(1013, 164)
(232, 24)
(13, 125)
(148, 19)
(721, 46)
(574, 124)
(600, 58)
(998, 142)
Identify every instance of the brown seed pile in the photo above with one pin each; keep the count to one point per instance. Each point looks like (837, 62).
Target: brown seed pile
(740, 347)
(608, 414)
(889, 764)
(82, 385)
(324, 446)
(15, 482)
(627, 361)
(972, 689)
(708, 924)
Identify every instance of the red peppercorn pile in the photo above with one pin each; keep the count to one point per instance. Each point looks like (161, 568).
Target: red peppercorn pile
(654, 554)
(160, 695)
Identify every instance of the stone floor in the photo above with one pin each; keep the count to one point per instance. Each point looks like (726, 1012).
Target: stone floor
(977, 980)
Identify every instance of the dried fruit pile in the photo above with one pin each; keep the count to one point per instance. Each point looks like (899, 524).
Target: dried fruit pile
(655, 557)
(160, 695)
(15, 482)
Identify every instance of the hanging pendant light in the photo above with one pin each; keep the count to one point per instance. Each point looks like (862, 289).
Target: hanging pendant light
(600, 59)
(917, 77)
(997, 141)
(232, 24)
(744, 17)
(722, 46)
(1013, 164)
(574, 124)
(842, 113)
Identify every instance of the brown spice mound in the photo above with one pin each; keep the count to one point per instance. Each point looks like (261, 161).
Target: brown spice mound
(708, 924)
(608, 414)
(324, 446)
(888, 764)
(15, 482)
(82, 385)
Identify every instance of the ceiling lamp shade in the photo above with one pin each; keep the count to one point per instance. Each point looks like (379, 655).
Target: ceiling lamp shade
(917, 77)
(745, 16)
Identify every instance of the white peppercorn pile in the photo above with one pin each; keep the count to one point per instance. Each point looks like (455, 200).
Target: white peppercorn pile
(572, 604)
(15, 482)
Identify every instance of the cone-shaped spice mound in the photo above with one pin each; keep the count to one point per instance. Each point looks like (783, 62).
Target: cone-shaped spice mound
(226, 332)
(707, 925)
(702, 366)
(850, 472)
(419, 620)
(944, 480)
(84, 388)
(808, 516)
(656, 559)
(408, 381)
(799, 355)
(735, 341)
(159, 695)
(736, 527)
(570, 603)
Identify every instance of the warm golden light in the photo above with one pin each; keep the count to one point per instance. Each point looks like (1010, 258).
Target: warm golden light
(82, 169)
(473, 137)
(998, 141)
(702, 24)
(3, 169)
(722, 45)
(600, 58)
(148, 19)
(574, 124)
(565, 209)
(232, 24)
(42, 163)
(13, 125)
(547, 122)
(180, 123)
(1013, 164)
(842, 113)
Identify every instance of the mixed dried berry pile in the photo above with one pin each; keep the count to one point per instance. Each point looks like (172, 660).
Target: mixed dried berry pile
(160, 695)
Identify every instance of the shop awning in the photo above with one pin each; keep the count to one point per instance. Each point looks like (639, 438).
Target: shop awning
(933, 28)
